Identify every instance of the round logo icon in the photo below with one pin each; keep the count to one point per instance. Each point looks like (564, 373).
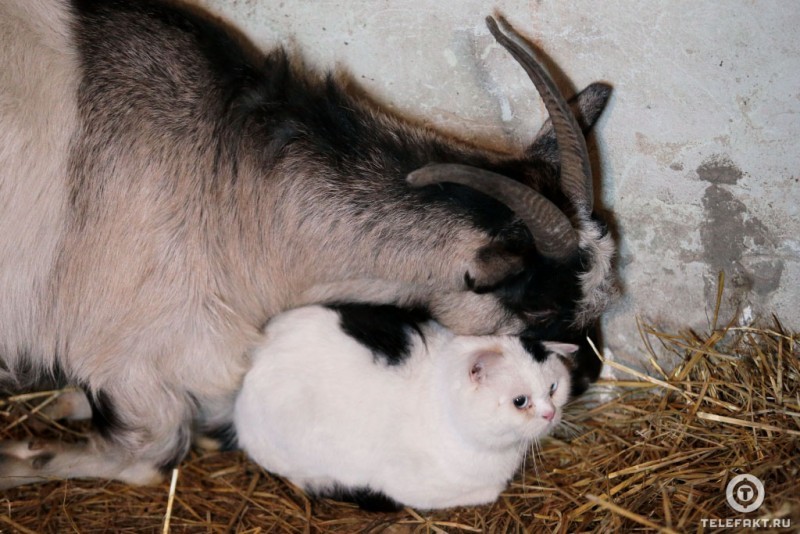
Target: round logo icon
(745, 493)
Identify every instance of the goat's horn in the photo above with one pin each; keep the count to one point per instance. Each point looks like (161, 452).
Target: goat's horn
(552, 231)
(576, 173)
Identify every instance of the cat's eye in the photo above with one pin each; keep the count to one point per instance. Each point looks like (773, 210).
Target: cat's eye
(521, 402)
(553, 388)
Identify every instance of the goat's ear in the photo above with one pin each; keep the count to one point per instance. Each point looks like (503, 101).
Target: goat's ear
(567, 350)
(481, 364)
(587, 107)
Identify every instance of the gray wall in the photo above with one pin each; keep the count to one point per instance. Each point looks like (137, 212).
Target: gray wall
(698, 153)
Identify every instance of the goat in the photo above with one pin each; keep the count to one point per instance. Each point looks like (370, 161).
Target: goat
(166, 189)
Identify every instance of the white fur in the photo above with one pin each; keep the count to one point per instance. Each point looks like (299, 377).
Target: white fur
(319, 409)
(598, 284)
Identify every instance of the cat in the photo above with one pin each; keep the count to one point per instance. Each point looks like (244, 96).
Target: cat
(384, 407)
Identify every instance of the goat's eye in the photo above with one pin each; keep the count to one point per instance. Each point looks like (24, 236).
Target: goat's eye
(553, 388)
(521, 402)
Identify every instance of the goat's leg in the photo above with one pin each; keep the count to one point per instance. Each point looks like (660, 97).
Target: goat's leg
(129, 442)
(33, 461)
(122, 456)
(70, 405)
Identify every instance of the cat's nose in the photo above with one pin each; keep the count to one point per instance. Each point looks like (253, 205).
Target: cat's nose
(548, 414)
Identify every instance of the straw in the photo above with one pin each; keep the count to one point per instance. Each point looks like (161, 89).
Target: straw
(642, 453)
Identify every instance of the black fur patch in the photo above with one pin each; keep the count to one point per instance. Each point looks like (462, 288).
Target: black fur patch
(27, 375)
(41, 460)
(105, 419)
(545, 295)
(484, 212)
(179, 452)
(535, 348)
(161, 62)
(222, 48)
(107, 422)
(225, 435)
(384, 329)
(366, 498)
(587, 365)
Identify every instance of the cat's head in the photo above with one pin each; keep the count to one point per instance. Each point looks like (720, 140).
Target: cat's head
(507, 391)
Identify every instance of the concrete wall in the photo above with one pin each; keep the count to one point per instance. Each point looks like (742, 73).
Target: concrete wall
(698, 154)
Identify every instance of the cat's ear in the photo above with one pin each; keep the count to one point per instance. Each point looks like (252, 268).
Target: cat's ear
(567, 350)
(482, 363)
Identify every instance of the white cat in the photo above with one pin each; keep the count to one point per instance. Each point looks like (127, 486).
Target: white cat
(383, 406)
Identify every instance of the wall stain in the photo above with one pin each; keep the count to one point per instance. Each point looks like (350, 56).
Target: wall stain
(719, 170)
(663, 152)
(734, 241)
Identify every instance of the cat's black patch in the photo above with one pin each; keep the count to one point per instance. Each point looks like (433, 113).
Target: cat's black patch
(366, 498)
(384, 329)
(535, 348)
(584, 366)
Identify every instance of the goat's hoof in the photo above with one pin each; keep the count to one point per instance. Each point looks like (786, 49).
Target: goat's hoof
(30, 451)
(24, 462)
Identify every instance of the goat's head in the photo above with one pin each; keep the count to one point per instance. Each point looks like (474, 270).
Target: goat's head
(568, 280)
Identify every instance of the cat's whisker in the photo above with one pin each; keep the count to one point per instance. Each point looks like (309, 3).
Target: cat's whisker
(524, 451)
(569, 429)
(534, 446)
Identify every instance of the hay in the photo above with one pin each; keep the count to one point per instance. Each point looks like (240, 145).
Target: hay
(652, 451)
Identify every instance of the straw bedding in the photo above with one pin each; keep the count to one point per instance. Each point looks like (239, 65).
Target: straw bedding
(650, 451)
